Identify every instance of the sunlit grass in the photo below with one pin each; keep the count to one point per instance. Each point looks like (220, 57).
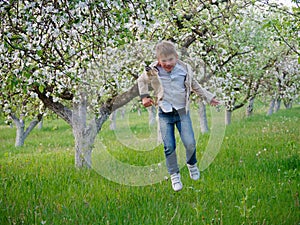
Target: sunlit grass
(253, 180)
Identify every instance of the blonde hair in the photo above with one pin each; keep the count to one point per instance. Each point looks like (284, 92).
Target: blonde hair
(165, 48)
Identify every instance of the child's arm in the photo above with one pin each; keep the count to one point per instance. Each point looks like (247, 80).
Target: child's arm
(143, 82)
(206, 95)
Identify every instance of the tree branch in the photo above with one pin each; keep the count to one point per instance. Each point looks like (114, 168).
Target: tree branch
(32, 124)
(122, 99)
(58, 108)
(232, 56)
(285, 41)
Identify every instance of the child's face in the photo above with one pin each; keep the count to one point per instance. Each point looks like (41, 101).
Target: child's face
(168, 62)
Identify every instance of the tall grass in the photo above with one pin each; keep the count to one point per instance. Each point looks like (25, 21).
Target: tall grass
(254, 179)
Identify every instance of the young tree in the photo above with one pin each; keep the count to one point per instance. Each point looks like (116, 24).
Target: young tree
(16, 101)
(288, 80)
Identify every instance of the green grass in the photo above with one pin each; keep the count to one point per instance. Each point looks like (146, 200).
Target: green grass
(255, 179)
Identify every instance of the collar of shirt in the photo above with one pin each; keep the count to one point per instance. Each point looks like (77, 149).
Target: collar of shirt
(176, 70)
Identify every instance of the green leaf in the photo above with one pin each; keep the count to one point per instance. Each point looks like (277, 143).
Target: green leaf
(27, 74)
(40, 53)
(41, 88)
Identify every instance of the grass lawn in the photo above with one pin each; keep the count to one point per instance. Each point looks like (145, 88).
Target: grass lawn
(255, 178)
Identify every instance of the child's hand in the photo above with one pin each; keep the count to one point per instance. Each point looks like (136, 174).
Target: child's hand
(214, 102)
(147, 101)
(151, 71)
(148, 68)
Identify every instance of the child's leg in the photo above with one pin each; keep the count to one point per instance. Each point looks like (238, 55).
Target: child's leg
(186, 132)
(167, 134)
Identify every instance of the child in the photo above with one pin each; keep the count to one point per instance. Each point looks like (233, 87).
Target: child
(172, 81)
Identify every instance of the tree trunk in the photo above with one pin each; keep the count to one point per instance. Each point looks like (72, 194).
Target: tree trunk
(159, 137)
(249, 109)
(277, 105)
(271, 107)
(203, 118)
(84, 135)
(123, 111)
(288, 104)
(112, 119)
(21, 133)
(20, 126)
(40, 124)
(228, 114)
(152, 115)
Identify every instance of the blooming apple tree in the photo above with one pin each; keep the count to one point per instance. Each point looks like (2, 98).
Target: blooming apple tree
(64, 53)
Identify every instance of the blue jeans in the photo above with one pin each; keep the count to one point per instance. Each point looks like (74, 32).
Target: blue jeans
(183, 123)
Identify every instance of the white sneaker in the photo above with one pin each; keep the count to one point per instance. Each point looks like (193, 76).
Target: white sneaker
(194, 171)
(176, 183)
